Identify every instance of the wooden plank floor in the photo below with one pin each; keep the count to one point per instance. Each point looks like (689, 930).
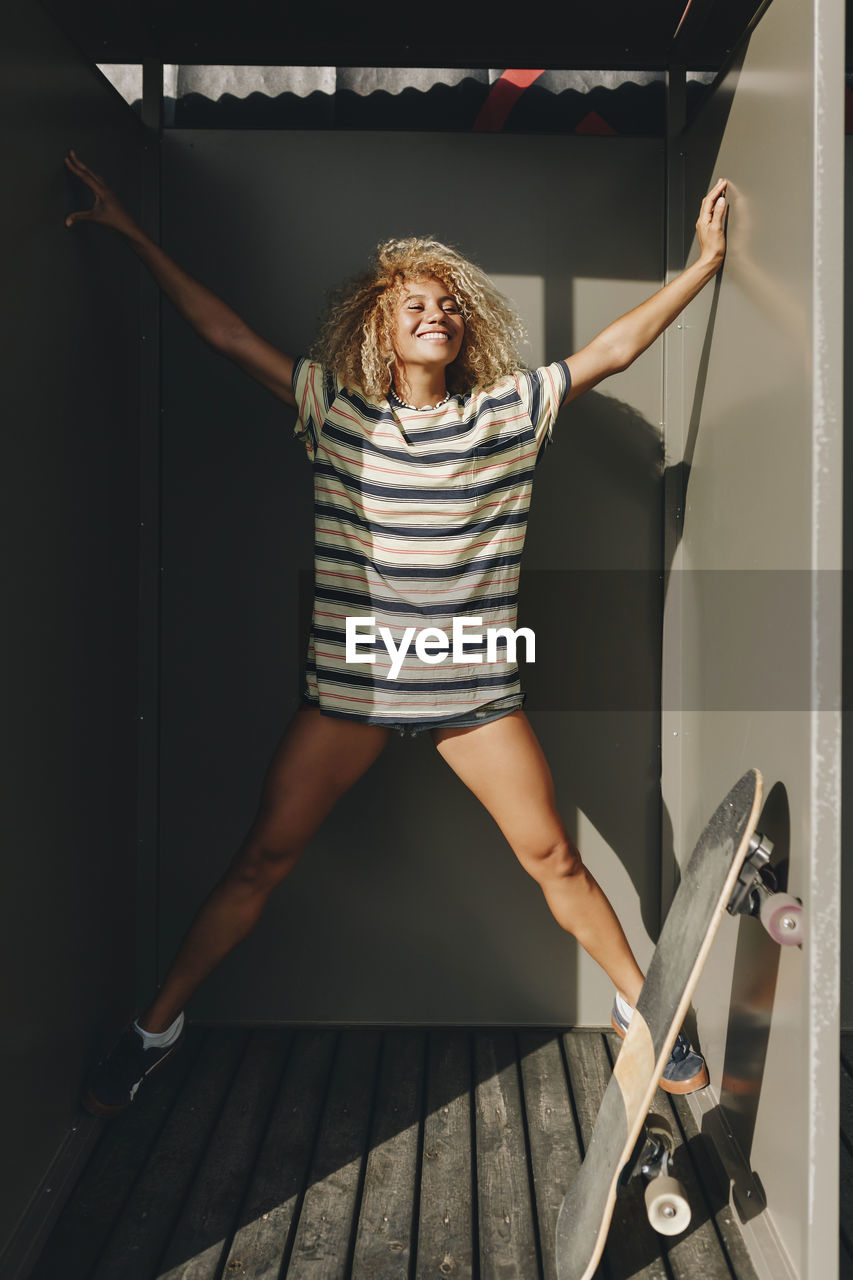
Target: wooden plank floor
(370, 1155)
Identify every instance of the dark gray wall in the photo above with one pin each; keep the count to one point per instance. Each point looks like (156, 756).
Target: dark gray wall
(409, 907)
(70, 360)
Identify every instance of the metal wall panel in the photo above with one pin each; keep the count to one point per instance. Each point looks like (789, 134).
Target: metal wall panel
(70, 355)
(753, 621)
(409, 907)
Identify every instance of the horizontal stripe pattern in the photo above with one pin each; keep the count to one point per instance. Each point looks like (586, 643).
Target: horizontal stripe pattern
(420, 518)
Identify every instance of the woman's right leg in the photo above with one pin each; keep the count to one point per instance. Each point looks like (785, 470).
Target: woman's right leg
(318, 759)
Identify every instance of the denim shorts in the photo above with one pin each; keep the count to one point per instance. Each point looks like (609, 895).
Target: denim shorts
(491, 711)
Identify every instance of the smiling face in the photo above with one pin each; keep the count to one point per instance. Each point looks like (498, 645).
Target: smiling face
(428, 328)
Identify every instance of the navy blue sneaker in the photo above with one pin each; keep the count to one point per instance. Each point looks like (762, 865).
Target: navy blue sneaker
(685, 1072)
(115, 1079)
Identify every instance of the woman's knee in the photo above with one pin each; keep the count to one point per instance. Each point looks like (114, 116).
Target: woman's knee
(558, 861)
(263, 862)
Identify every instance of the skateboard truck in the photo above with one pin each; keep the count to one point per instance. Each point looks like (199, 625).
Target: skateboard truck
(757, 894)
(667, 1206)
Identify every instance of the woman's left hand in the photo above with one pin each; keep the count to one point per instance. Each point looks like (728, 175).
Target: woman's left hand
(711, 224)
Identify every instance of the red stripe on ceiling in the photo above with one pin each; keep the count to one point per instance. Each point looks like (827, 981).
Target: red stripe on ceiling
(504, 94)
(593, 123)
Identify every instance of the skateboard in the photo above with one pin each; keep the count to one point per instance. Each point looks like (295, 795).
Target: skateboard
(728, 870)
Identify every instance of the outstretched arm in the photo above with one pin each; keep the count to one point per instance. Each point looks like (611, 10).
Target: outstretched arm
(220, 326)
(620, 343)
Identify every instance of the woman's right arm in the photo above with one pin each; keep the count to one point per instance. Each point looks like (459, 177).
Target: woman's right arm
(217, 323)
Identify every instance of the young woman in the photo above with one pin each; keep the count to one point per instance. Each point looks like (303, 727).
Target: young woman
(424, 430)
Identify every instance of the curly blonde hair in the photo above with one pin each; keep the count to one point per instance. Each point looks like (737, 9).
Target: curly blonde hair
(355, 336)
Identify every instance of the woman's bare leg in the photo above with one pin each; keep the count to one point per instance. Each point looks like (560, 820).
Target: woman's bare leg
(503, 764)
(318, 759)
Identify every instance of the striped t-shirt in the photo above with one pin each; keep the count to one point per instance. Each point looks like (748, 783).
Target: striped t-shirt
(420, 517)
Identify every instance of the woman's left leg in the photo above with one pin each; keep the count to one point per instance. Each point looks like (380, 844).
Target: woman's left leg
(503, 764)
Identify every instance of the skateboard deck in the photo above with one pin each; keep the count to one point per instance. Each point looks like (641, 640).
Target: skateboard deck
(707, 885)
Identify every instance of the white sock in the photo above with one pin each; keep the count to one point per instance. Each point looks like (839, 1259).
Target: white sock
(160, 1039)
(625, 1009)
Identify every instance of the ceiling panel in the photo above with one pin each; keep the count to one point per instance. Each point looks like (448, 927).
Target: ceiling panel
(621, 34)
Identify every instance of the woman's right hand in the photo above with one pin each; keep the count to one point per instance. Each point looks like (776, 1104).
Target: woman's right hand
(107, 208)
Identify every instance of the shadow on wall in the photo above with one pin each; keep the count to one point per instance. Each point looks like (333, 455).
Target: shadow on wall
(597, 510)
(601, 615)
(780, 683)
(756, 970)
(728, 1129)
(602, 501)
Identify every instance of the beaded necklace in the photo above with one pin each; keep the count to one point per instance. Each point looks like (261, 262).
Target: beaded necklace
(393, 395)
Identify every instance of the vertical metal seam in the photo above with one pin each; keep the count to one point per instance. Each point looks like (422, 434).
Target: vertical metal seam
(672, 401)
(148, 650)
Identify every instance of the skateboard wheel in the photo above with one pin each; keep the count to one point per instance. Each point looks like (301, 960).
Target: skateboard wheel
(667, 1206)
(782, 917)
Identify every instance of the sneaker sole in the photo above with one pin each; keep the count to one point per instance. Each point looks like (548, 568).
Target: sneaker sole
(615, 1025)
(699, 1081)
(95, 1108)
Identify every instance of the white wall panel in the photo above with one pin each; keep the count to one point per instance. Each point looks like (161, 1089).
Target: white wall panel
(753, 622)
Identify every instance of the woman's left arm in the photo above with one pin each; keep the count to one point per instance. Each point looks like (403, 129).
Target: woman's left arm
(620, 343)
